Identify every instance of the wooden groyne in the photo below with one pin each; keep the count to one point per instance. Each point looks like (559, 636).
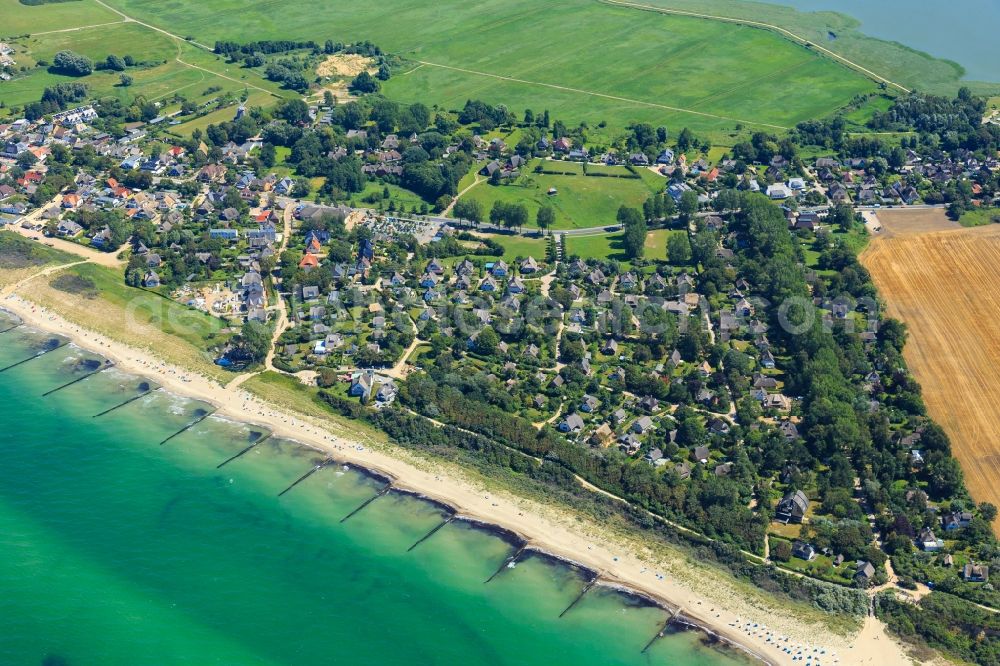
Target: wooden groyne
(129, 401)
(38, 355)
(509, 561)
(11, 328)
(663, 630)
(590, 584)
(189, 426)
(367, 502)
(305, 476)
(232, 458)
(431, 533)
(107, 365)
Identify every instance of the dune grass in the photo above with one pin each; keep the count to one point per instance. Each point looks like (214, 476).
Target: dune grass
(136, 317)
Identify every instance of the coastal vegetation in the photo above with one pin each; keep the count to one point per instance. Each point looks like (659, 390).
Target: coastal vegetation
(20, 257)
(133, 316)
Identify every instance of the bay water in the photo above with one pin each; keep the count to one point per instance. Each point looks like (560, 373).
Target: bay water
(963, 31)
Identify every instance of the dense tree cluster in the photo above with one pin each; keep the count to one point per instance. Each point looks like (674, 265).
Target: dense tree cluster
(56, 98)
(267, 46)
(72, 64)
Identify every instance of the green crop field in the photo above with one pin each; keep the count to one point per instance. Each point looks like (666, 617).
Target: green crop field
(581, 201)
(20, 19)
(617, 64)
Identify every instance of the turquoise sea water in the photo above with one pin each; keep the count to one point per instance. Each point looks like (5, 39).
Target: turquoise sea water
(963, 31)
(117, 549)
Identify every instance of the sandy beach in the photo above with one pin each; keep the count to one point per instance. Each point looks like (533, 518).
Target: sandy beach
(775, 637)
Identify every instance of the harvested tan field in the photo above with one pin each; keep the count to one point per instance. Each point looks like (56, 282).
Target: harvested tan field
(943, 286)
(896, 221)
(346, 64)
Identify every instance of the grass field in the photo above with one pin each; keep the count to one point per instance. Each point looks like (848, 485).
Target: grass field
(602, 246)
(20, 19)
(582, 201)
(942, 285)
(610, 246)
(135, 317)
(169, 65)
(520, 246)
(643, 63)
(899, 63)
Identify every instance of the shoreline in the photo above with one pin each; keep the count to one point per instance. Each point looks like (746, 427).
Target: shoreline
(786, 641)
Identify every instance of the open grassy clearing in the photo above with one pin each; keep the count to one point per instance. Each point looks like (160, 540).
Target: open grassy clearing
(400, 196)
(135, 317)
(223, 114)
(601, 246)
(520, 246)
(942, 285)
(658, 61)
(581, 201)
(610, 246)
(21, 19)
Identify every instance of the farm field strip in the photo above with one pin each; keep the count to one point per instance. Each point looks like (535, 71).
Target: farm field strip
(942, 285)
(604, 95)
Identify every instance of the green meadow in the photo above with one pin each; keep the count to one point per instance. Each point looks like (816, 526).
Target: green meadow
(20, 19)
(617, 65)
(167, 66)
(611, 246)
(580, 201)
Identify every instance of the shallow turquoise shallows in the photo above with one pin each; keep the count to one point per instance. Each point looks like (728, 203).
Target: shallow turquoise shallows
(123, 545)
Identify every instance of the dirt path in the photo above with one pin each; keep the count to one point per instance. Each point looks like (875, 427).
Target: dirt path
(281, 323)
(109, 259)
(447, 211)
(82, 27)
